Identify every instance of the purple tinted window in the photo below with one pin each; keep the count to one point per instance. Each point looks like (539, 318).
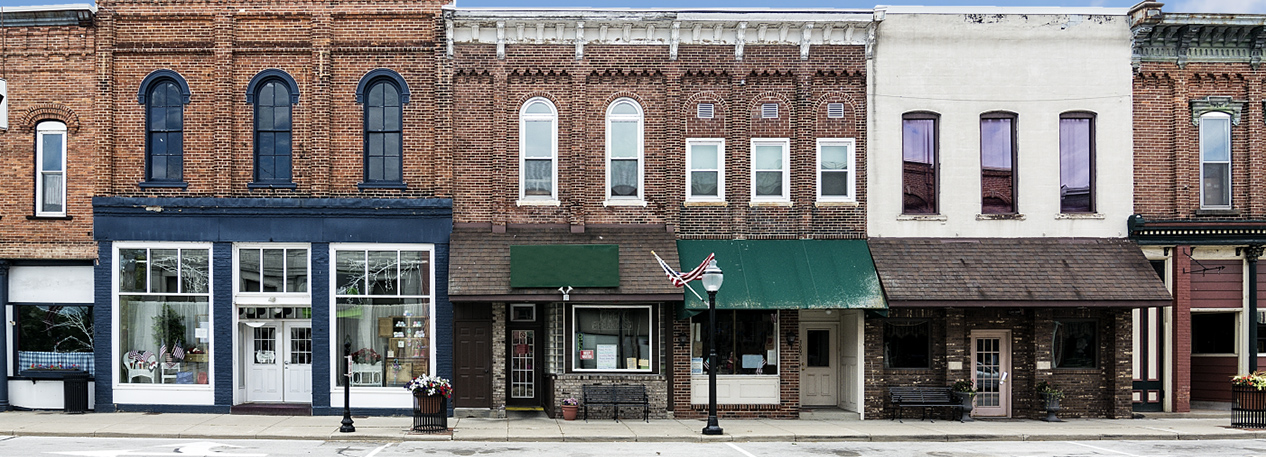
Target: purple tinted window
(1076, 191)
(997, 174)
(918, 144)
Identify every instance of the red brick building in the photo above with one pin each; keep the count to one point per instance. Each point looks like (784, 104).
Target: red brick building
(683, 133)
(1199, 203)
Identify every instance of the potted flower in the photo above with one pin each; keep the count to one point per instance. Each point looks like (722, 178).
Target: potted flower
(569, 408)
(366, 356)
(1248, 400)
(965, 392)
(1050, 396)
(429, 392)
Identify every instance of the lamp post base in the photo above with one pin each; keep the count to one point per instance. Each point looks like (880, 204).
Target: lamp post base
(712, 428)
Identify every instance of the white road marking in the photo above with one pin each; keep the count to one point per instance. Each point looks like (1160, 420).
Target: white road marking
(199, 449)
(1105, 449)
(748, 454)
(376, 451)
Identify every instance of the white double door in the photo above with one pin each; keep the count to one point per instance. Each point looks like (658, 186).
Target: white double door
(278, 357)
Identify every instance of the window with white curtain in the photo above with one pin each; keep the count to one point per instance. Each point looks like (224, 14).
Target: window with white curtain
(705, 163)
(624, 151)
(538, 150)
(164, 297)
(50, 165)
(1215, 161)
(771, 180)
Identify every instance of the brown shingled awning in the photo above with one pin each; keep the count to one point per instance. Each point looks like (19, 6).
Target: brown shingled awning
(480, 263)
(1010, 272)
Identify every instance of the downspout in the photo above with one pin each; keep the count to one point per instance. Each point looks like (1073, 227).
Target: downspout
(4, 335)
(1251, 253)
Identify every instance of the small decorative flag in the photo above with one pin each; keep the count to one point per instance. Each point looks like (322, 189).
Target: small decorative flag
(178, 352)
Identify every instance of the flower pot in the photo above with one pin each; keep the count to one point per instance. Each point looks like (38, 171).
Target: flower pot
(967, 404)
(1051, 402)
(1248, 407)
(429, 404)
(569, 412)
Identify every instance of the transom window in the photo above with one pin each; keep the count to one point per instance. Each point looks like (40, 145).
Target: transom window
(836, 178)
(50, 160)
(705, 160)
(770, 179)
(624, 150)
(1215, 161)
(279, 270)
(538, 146)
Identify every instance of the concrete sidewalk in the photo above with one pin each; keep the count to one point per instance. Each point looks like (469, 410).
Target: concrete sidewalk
(223, 426)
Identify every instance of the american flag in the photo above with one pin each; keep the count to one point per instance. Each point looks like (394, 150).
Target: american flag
(680, 279)
(178, 352)
(162, 349)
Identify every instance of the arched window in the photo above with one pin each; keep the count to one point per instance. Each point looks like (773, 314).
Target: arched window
(624, 150)
(538, 150)
(274, 93)
(164, 94)
(50, 169)
(383, 132)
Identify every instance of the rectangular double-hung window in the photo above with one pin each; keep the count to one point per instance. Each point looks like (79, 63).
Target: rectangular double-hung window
(836, 177)
(624, 152)
(1215, 161)
(705, 164)
(50, 166)
(771, 181)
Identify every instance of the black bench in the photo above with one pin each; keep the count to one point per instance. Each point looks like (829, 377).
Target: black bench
(924, 397)
(616, 395)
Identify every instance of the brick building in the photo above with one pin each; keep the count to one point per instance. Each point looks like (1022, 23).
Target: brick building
(585, 140)
(271, 187)
(46, 246)
(1199, 210)
(997, 208)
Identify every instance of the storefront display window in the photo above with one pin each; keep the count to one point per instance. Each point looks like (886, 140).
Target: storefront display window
(54, 337)
(164, 325)
(747, 342)
(907, 344)
(383, 308)
(612, 338)
(1074, 344)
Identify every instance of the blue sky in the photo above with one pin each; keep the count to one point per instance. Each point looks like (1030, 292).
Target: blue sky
(1183, 6)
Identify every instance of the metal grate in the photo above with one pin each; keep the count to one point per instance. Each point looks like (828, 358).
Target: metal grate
(705, 111)
(834, 110)
(769, 110)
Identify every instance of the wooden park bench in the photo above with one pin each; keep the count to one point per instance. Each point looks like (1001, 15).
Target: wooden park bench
(616, 395)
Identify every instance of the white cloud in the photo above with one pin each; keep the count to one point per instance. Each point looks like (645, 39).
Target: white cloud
(1217, 6)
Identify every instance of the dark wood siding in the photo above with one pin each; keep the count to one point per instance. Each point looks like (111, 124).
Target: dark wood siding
(1211, 378)
(1217, 284)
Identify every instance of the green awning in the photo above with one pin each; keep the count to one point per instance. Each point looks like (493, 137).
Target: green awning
(785, 274)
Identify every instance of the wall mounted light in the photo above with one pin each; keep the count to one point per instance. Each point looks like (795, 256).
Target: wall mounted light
(791, 337)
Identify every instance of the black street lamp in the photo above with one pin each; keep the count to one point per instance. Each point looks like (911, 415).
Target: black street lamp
(347, 426)
(712, 279)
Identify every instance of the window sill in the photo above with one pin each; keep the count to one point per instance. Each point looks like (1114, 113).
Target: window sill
(629, 202)
(705, 203)
(923, 217)
(1000, 217)
(50, 218)
(771, 204)
(381, 185)
(163, 185)
(1218, 212)
(1095, 216)
(842, 203)
(536, 202)
(260, 185)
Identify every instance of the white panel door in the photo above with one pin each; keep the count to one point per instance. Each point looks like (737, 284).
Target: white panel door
(819, 372)
(263, 363)
(298, 362)
(850, 343)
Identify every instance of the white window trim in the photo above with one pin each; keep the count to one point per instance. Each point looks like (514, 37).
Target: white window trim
(785, 143)
(720, 143)
(175, 394)
(571, 335)
(374, 397)
(851, 144)
(43, 129)
(269, 298)
(1227, 132)
(525, 199)
(640, 117)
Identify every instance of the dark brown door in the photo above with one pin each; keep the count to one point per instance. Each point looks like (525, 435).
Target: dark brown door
(473, 357)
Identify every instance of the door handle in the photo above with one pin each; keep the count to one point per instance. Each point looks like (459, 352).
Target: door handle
(1004, 378)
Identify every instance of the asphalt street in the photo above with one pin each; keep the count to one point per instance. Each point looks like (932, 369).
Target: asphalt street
(122, 447)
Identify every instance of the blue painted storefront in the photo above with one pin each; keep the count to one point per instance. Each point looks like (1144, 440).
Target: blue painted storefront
(224, 221)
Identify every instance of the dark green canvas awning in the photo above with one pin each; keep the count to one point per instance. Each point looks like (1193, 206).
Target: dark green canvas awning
(785, 274)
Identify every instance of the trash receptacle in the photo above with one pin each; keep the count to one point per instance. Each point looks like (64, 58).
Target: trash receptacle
(75, 392)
